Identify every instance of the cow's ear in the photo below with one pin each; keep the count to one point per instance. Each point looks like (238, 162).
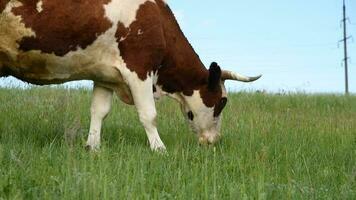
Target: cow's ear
(214, 76)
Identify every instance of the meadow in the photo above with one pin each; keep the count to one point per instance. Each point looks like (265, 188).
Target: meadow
(281, 146)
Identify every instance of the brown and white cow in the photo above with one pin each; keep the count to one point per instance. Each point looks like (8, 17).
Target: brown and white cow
(124, 46)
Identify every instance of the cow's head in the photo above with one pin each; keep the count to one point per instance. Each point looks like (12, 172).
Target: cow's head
(203, 109)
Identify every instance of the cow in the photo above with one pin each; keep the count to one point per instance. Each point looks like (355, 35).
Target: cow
(133, 48)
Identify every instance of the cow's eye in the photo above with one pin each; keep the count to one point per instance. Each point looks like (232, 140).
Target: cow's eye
(220, 106)
(190, 115)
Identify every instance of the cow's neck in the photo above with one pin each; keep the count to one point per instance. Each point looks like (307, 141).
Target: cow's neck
(182, 70)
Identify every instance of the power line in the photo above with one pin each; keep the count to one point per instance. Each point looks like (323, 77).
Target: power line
(344, 40)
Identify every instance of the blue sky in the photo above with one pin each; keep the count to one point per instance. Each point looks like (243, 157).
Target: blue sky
(294, 44)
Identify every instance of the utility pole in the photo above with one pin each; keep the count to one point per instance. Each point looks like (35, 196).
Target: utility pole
(346, 58)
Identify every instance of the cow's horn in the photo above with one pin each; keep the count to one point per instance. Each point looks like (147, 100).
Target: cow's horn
(228, 75)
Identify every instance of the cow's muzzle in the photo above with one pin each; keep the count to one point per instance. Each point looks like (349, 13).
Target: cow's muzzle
(209, 138)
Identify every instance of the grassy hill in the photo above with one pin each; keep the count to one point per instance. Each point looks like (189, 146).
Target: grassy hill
(274, 147)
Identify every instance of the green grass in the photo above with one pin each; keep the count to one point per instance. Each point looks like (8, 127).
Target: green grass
(274, 147)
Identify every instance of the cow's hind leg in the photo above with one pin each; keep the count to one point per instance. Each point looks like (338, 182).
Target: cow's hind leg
(100, 107)
(142, 94)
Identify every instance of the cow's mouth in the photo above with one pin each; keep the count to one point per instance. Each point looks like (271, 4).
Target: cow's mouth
(208, 138)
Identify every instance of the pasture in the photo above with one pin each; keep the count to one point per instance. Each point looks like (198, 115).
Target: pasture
(274, 147)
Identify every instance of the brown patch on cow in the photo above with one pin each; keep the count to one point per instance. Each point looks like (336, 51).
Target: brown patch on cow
(210, 97)
(3, 4)
(182, 69)
(142, 44)
(63, 25)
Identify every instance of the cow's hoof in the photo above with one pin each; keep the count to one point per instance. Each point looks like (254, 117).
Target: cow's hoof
(159, 149)
(157, 146)
(92, 148)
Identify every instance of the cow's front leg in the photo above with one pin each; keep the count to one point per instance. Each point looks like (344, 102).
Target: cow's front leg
(144, 101)
(100, 107)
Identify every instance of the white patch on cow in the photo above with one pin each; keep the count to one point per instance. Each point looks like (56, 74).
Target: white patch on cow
(39, 6)
(203, 113)
(124, 37)
(124, 10)
(100, 107)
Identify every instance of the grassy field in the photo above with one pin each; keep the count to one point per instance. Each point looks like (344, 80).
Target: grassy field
(274, 147)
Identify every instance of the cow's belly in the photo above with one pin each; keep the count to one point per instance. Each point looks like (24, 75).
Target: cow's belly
(41, 68)
(97, 64)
